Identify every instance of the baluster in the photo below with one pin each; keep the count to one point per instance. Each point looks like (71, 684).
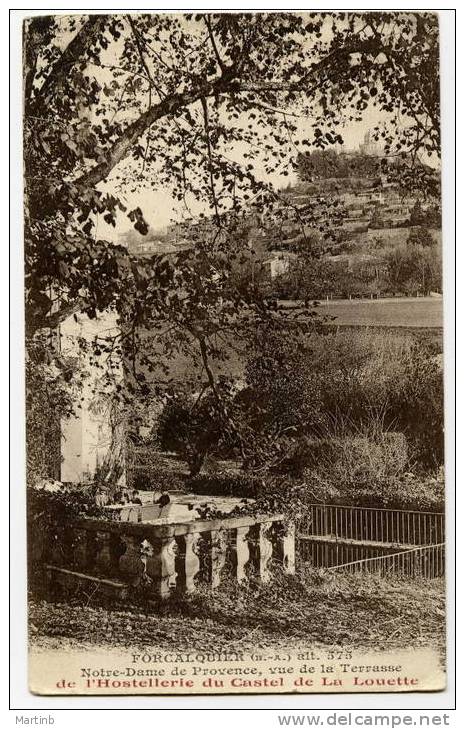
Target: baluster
(241, 548)
(253, 540)
(218, 546)
(284, 546)
(103, 555)
(81, 551)
(265, 551)
(130, 562)
(160, 566)
(187, 562)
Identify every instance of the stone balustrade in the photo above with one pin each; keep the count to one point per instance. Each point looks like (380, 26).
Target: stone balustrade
(168, 558)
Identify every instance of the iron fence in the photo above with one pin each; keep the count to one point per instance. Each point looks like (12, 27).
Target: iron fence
(327, 552)
(361, 523)
(427, 562)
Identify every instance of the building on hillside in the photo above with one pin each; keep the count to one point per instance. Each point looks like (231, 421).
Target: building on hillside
(160, 247)
(369, 147)
(278, 262)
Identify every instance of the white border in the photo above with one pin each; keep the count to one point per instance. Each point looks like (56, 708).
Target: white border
(21, 700)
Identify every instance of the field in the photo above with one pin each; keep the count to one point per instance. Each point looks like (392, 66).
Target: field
(422, 317)
(408, 312)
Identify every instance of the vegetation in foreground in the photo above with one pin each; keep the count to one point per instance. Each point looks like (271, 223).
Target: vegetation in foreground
(312, 608)
(348, 417)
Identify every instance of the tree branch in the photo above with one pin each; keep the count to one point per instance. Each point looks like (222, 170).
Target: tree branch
(213, 42)
(135, 33)
(201, 88)
(169, 106)
(73, 53)
(57, 317)
(210, 160)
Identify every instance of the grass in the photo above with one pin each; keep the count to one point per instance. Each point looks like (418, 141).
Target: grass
(313, 608)
(420, 320)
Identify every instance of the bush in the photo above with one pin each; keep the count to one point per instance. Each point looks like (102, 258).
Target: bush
(231, 483)
(406, 491)
(418, 406)
(377, 382)
(147, 469)
(374, 474)
(304, 393)
(421, 237)
(371, 467)
(61, 507)
(192, 427)
(366, 455)
(48, 515)
(154, 479)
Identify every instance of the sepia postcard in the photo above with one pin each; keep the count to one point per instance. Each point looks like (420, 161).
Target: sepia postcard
(234, 352)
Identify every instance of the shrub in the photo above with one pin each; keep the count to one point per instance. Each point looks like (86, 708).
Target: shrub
(351, 377)
(406, 491)
(229, 483)
(368, 456)
(381, 382)
(305, 392)
(192, 427)
(47, 517)
(147, 468)
(52, 509)
(420, 237)
(370, 469)
(418, 406)
(155, 479)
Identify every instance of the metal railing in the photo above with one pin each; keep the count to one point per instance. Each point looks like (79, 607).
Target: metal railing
(426, 562)
(329, 552)
(392, 526)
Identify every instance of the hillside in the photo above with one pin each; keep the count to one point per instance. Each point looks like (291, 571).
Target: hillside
(361, 235)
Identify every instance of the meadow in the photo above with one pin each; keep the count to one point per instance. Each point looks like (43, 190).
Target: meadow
(417, 318)
(406, 312)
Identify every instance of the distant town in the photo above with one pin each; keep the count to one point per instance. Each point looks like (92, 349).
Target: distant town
(380, 239)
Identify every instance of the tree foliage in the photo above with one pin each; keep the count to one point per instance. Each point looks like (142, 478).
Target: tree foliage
(327, 164)
(414, 268)
(191, 427)
(426, 217)
(116, 101)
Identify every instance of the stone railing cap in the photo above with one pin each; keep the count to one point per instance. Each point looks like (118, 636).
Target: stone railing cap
(175, 529)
